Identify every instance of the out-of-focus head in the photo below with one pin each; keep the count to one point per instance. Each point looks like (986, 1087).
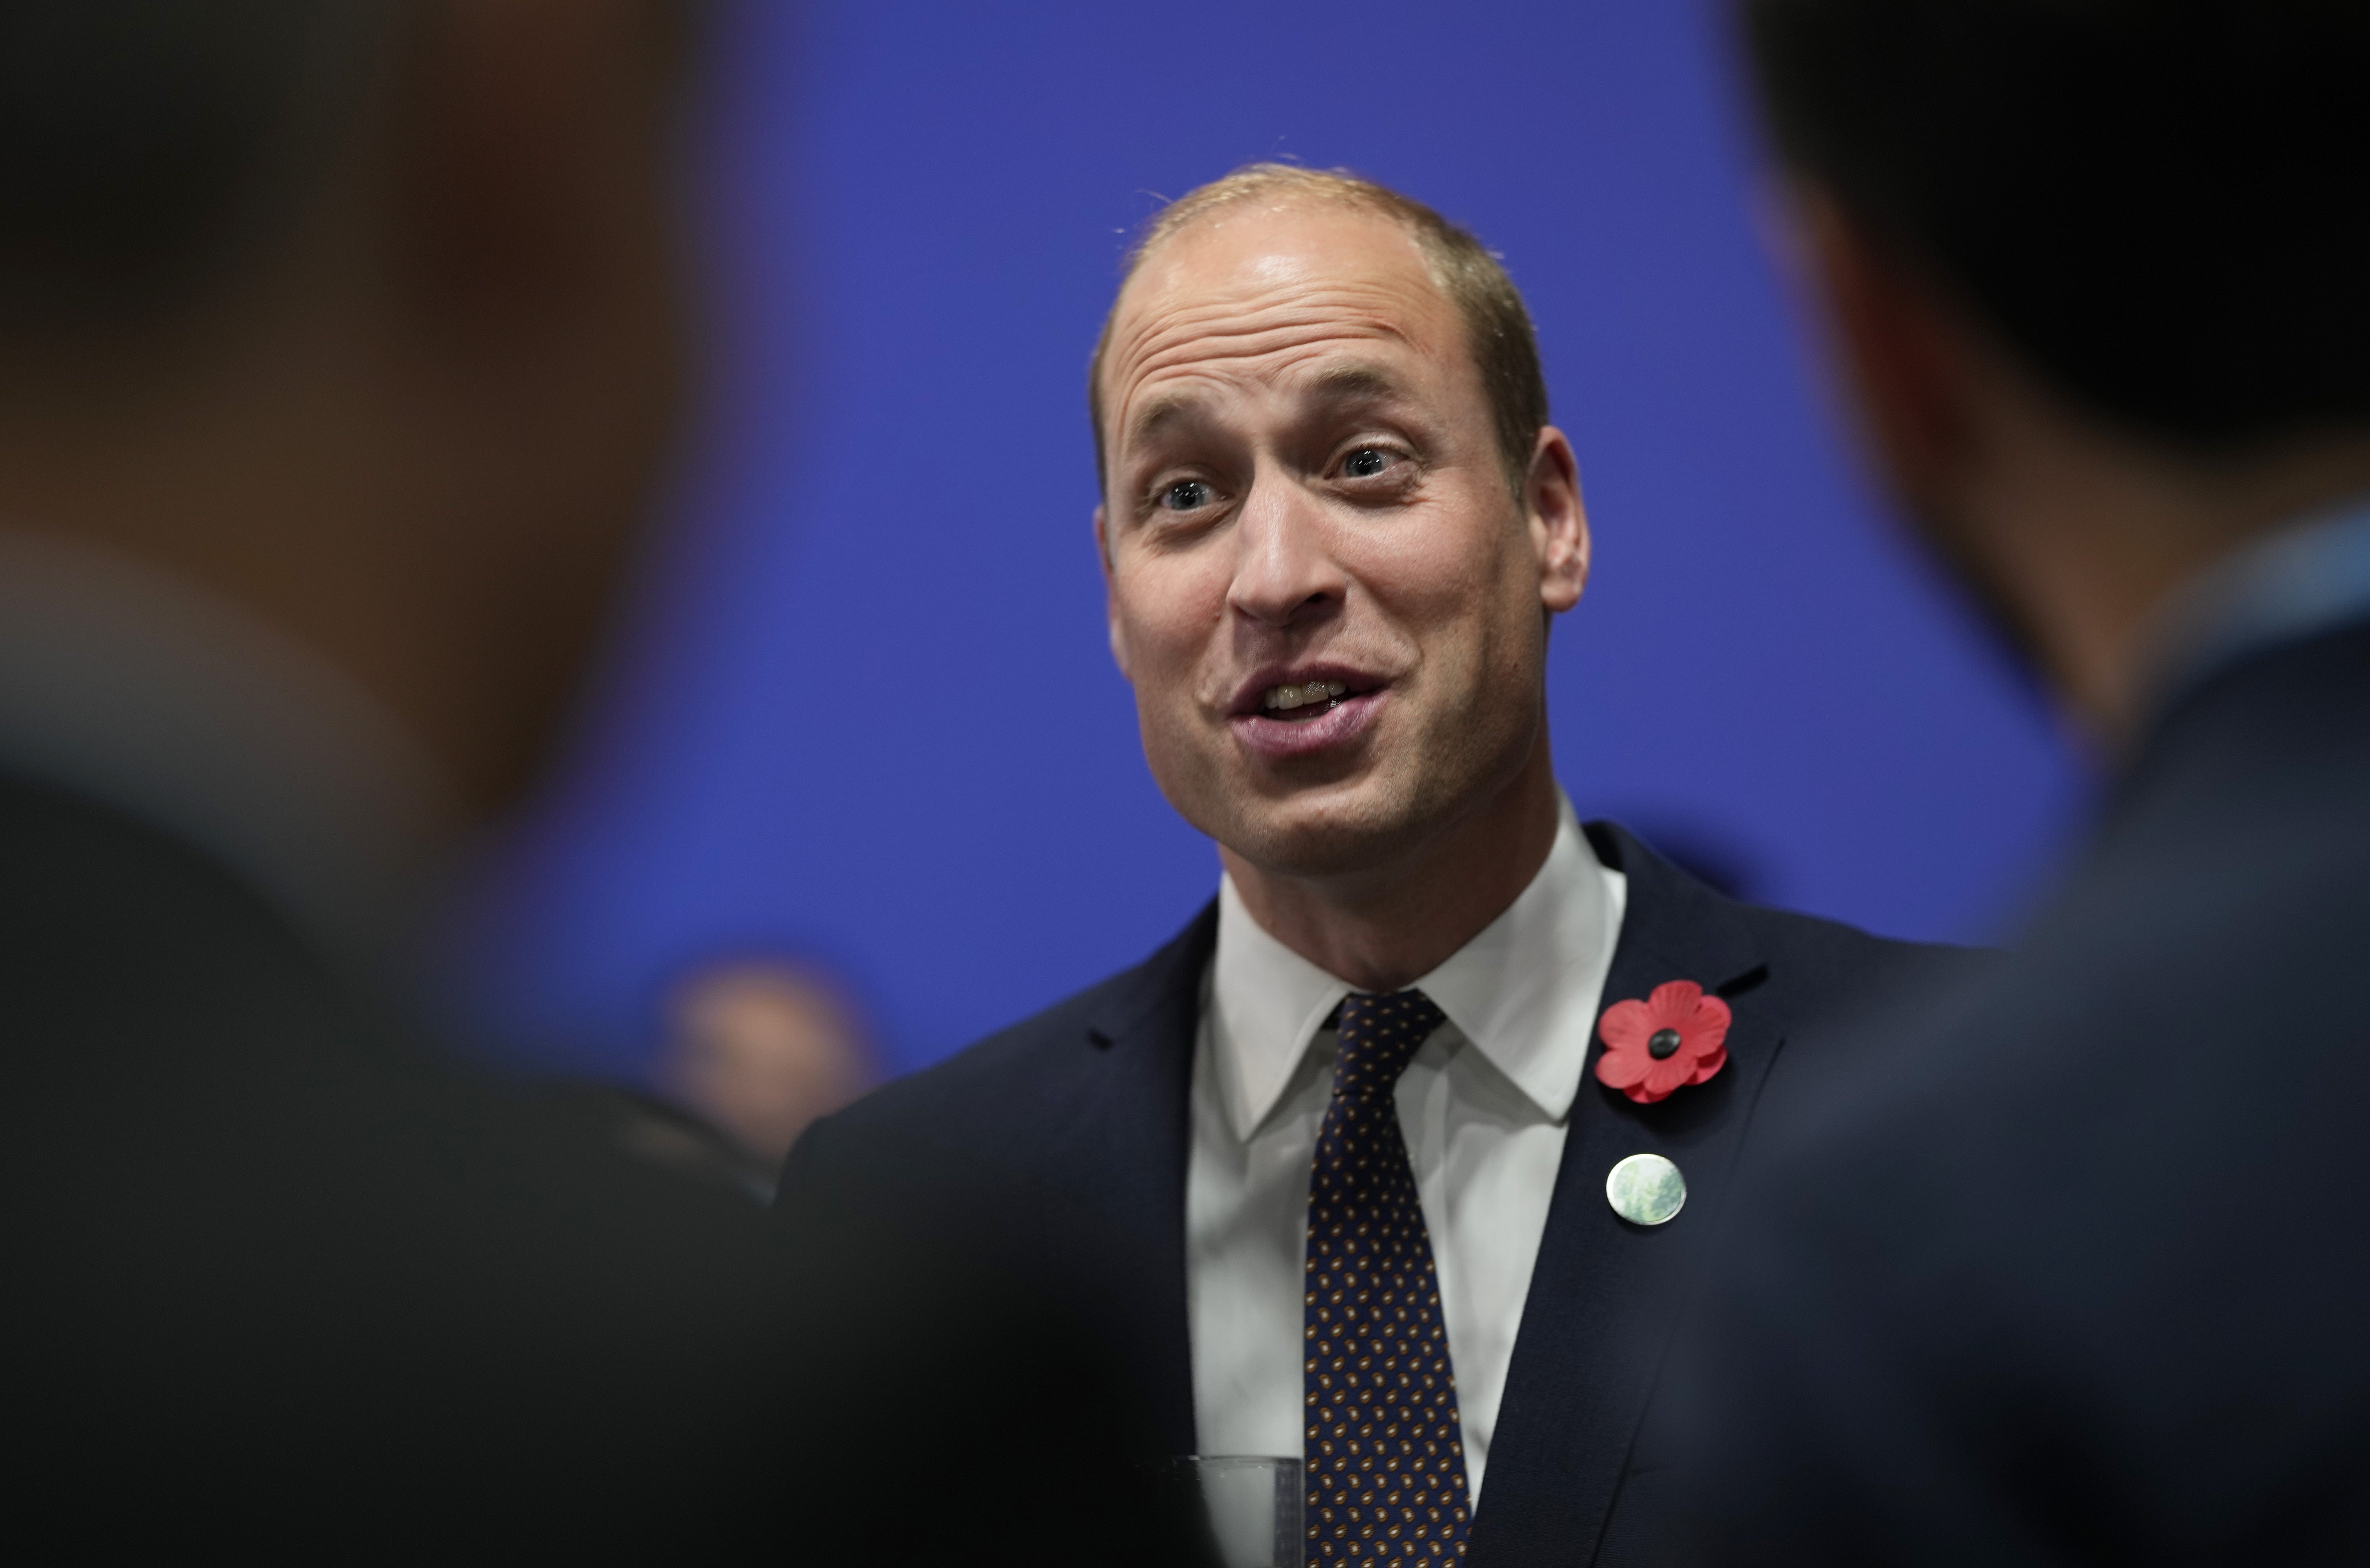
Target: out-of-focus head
(2151, 201)
(360, 314)
(2131, 226)
(1335, 522)
(762, 1047)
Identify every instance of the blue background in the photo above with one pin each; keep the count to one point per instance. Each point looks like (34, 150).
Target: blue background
(863, 710)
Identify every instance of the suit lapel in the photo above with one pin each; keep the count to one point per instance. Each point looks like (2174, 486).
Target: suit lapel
(1119, 1155)
(1605, 1294)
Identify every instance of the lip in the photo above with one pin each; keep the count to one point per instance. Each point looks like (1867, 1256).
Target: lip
(1283, 739)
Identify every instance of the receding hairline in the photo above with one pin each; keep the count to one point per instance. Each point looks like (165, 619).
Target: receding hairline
(1203, 224)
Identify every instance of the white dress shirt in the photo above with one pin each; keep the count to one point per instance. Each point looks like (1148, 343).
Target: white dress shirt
(1483, 1106)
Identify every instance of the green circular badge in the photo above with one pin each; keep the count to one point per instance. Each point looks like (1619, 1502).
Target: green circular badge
(1645, 1189)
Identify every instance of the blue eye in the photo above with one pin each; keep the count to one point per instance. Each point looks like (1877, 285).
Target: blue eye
(1186, 495)
(1365, 463)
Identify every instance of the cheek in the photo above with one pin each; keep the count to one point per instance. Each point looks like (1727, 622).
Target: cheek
(1442, 582)
(1168, 608)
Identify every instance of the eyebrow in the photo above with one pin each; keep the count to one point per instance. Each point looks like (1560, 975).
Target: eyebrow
(1156, 416)
(1335, 383)
(1354, 383)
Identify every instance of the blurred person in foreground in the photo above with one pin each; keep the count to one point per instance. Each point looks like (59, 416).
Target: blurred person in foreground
(753, 1051)
(759, 1048)
(338, 346)
(1348, 1171)
(338, 349)
(2074, 1266)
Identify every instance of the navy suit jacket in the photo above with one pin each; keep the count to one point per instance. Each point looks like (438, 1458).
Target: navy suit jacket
(2083, 1275)
(1058, 1149)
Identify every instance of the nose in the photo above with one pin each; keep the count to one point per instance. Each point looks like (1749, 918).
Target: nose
(1283, 573)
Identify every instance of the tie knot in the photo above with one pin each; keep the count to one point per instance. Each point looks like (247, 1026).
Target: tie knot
(1381, 1032)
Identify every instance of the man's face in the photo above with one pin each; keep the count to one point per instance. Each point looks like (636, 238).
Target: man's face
(1329, 599)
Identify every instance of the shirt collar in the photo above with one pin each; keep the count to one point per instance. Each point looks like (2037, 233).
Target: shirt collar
(1523, 992)
(2311, 576)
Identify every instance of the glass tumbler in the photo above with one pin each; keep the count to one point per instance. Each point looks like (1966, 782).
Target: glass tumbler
(1253, 1505)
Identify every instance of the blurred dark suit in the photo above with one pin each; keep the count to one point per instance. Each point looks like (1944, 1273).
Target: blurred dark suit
(2081, 1278)
(277, 1275)
(276, 1278)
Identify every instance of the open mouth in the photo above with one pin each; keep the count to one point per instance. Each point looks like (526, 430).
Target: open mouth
(1327, 708)
(1298, 703)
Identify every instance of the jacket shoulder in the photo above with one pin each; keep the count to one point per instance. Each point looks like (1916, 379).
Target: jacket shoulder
(1003, 1063)
(996, 1081)
(1831, 961)
(1825, 967)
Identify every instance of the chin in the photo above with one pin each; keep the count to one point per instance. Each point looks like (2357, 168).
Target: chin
(1333, 836)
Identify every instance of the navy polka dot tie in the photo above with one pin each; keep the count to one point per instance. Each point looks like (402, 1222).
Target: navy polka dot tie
(1386, 1460)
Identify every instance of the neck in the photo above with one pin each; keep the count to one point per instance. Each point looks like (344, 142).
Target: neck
(1383, 929)
(2085, 536)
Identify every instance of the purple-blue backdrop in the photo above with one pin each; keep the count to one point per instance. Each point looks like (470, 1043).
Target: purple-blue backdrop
(864, 708)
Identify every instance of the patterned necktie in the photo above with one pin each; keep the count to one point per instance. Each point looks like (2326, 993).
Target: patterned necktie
(1386, 1458)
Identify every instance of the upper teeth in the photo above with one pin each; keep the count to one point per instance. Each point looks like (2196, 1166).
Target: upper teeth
(1299, 697)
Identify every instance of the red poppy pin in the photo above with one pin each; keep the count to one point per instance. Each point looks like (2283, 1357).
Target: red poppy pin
(1675, 1037)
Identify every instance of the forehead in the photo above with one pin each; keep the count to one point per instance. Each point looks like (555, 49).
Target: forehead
(1256, 292)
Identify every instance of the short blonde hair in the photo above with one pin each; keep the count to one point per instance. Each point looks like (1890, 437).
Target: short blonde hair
(1497, 326)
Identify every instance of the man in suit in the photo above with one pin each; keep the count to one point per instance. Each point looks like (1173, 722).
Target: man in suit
(1330, 1169)
(2075, 1271)
(337, 348)
(336, 356)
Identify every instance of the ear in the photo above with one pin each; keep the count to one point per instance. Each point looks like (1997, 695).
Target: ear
(1902, 355)
(1111, 597)
(1559, 522)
